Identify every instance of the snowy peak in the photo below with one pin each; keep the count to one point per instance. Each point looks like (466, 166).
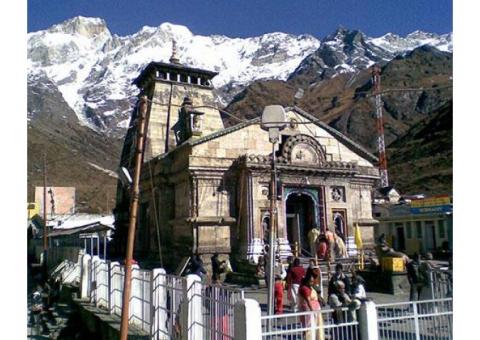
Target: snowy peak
(175, 31)
(94, 70)
(346, 51)
(87, 27)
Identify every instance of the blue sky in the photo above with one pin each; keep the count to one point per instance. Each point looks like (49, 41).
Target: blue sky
(244, 18)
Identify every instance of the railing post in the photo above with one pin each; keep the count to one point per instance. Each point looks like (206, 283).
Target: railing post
(109, 286)
(248, 324)
(415, 321)
(368, 321)
(193, 299)
(84, 276)
(158, 299)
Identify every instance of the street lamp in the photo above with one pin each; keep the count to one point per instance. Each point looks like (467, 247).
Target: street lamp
(273, 120)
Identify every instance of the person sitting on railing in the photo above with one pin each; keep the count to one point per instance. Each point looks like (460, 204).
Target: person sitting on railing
(308, 301)
(339, 275)
(358, 287)
(339, 299)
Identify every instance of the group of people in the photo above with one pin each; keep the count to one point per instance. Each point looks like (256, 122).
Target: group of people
(342, 290)
(218, 268)
(328, 245)
(305, 293)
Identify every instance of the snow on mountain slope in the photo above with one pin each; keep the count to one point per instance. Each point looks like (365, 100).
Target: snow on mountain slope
(347, 51)
(94, 69)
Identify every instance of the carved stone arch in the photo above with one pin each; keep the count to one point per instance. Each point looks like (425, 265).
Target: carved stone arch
(303, 149)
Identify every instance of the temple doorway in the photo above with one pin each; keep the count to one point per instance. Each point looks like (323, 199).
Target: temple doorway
(300, 213)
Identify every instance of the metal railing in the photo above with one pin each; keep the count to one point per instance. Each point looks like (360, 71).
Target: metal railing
(167, 297)
(429, 319)
(140, 299)
(165, 306)
(217, 310)
(441, 284)
(325, 324)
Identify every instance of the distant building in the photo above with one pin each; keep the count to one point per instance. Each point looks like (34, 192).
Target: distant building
(416, 224)
(60, 200)
(205, 188)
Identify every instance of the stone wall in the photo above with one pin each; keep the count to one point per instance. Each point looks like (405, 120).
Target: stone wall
(160, 110)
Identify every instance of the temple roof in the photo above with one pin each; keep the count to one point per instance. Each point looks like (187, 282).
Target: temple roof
(149, 71)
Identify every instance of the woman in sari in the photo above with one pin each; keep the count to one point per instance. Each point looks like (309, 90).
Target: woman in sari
(308, 301)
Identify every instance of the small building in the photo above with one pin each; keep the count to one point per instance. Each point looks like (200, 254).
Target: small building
(68, 234)
(416, 224)
(205, 188)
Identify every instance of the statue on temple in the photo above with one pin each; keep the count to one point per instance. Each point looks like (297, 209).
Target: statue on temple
(383, 249)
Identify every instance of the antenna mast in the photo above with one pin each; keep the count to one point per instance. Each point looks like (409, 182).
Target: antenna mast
(382, 158)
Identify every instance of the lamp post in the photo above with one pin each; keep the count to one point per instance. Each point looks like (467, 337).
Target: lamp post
(273, 120)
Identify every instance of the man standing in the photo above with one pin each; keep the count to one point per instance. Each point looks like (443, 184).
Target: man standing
(294, 279)
(312, 240)
(425, 270)
(414, 278)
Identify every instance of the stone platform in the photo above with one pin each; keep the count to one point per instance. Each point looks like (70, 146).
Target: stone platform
(395, 283)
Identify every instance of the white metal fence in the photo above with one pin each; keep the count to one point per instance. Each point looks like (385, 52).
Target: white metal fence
(217, 310)
(165, 306)
(441, 284)
(314, 325)
(430, 319)
(167, 295)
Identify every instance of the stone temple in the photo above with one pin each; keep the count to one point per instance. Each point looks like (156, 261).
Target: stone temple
(205, 188)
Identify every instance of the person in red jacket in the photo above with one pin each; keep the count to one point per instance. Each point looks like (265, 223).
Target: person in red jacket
(322, 250)
(294, 278)
(278, 288)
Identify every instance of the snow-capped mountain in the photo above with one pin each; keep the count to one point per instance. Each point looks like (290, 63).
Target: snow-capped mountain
(93, 69)
(347, 51)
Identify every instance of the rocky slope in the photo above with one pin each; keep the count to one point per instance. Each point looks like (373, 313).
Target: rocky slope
(75, 155)
(346, 103)
(421, 160)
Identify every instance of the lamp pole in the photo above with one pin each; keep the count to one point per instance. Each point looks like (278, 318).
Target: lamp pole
(272, 234)
(127, 284)
(273, 120)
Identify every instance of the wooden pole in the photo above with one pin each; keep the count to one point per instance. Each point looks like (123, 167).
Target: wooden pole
(142, 110)
(45, 227)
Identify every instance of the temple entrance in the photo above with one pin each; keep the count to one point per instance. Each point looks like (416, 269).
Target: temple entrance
(300, 219)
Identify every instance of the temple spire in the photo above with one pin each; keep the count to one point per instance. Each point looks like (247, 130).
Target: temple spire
(173, 58)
